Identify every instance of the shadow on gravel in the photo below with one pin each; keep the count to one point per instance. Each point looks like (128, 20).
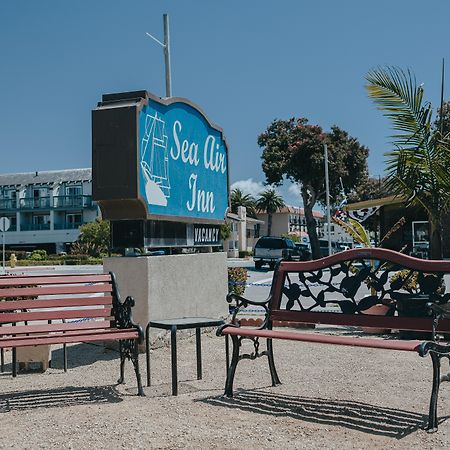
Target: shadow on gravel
(57, 398)
(83, 355)
(344, 413)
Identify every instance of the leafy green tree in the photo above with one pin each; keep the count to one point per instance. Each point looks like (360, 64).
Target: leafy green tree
(238, 198)
(294, 150)
(269, 201)
(418, 166)
(369, 189)
(94, 238)
(445, 116)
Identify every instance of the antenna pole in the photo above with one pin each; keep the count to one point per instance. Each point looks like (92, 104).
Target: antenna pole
(167, 55)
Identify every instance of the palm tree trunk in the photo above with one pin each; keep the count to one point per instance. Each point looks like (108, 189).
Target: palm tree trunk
(269, 225)
(435, 238)
(308, 204)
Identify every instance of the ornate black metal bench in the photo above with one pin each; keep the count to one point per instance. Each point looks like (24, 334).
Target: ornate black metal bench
(340, 290)
(62, 309)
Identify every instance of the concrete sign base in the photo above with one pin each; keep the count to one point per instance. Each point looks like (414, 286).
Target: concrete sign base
(173, 286)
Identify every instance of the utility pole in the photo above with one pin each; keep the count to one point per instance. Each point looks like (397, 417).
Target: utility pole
(327, 194)
(441, 118)
(166, 48)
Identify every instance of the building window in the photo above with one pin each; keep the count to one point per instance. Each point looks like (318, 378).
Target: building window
(74, 190)
(257, 230)
(73, 220)
(41, 219)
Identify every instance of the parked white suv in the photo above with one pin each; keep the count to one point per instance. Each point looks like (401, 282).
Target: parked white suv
(269, 250)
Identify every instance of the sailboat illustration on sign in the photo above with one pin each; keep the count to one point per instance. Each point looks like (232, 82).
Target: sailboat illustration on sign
(155, 161)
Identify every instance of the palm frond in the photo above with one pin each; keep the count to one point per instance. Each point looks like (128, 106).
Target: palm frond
(418, 166)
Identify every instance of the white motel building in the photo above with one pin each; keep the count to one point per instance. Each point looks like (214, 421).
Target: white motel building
(46, 209)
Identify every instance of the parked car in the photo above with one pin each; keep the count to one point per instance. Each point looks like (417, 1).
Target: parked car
(304, 251)
(269, 250)
(324, 247)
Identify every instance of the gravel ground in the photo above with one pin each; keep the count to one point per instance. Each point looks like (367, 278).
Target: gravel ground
(331, 397)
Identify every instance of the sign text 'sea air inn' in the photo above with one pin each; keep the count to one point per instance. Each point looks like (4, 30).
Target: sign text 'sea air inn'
(159, 159)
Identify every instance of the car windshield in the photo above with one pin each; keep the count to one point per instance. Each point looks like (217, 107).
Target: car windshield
(270, 243)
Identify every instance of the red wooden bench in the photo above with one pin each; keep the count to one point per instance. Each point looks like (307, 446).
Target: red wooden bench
(62, 309)
(339, 290)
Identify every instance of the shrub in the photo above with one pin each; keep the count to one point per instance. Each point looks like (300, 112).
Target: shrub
(237, 277)
(38, 255)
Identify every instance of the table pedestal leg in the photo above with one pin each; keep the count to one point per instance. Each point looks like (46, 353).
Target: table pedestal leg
(173, 344)
(199, 353)
(147, 353)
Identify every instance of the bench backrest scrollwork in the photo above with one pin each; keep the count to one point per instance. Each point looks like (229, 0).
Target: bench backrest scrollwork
(342, 289)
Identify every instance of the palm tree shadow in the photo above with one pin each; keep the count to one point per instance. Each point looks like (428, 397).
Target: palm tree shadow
(58, 397)
(344, 413)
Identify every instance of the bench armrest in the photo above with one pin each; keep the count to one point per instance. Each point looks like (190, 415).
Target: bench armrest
(241, 303)
(124, 318)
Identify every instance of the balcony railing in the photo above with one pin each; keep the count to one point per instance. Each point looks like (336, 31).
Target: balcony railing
(8, 203)
(57, 202)
(68, 225)
(34, 226)
(34, 203)
(72, 201)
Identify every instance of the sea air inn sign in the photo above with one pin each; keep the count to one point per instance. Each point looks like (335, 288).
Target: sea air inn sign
(158, 159)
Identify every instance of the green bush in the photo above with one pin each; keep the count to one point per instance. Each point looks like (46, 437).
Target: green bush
(237, 277)
(38, 255)
(30, 262)
(245, 254)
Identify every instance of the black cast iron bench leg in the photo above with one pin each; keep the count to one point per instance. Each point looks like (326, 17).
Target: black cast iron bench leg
(232, 367)
(273, 370)
(432, 417)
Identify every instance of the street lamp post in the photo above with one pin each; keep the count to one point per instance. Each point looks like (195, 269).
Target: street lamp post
(166, 48)
(327, 194)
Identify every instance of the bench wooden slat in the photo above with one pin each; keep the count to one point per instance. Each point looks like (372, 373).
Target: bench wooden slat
(54, 279)
(55, 290)
(74, 332)
(54, 315)
(13, 305)
(6, 330)
(360, 320)
(324, 339)
(114, 334)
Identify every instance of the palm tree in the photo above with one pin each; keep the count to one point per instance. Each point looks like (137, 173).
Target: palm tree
(418, 167)
(270, 202)
(238, 198)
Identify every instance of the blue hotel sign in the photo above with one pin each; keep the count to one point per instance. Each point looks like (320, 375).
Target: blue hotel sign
(183, 164)
(158, 159)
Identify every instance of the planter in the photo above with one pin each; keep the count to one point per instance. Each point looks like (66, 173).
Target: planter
(413, 305)
(378, 310)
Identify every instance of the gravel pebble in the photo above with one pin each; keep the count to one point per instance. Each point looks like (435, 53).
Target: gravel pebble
(332, 397)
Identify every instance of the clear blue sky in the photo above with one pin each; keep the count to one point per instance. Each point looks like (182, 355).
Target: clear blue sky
(244, 62)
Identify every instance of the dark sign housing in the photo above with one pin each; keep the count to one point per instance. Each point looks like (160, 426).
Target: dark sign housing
(157, 161)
